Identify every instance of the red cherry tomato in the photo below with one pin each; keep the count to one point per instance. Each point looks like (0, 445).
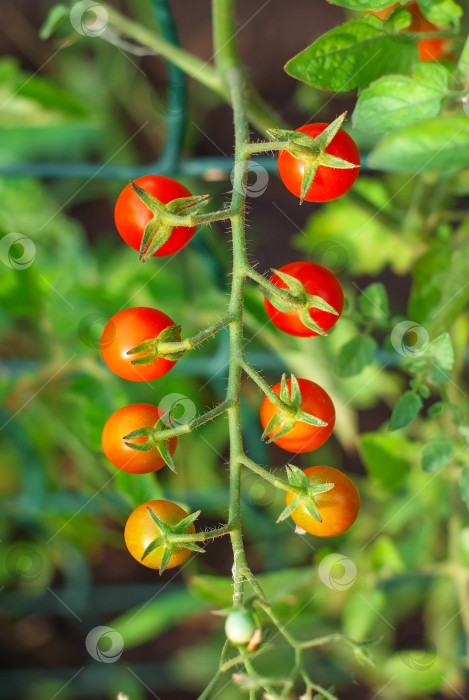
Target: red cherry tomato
(316, 280)
(123, 422)
(338, 507)
(141, 530)
(131, 215)
(303, 437)
(328, 183)
(126, 330)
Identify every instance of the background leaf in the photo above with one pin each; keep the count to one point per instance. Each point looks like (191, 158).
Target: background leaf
(395, 101)
(355, 355)
(353, 55)
(434, 144)
(436, 454)
(406, 410)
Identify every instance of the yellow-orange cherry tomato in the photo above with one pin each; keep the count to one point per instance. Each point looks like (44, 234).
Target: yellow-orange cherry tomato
(141, 530)
(338, 507)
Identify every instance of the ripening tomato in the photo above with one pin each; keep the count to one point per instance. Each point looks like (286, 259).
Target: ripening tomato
(328, 183)
(316, 280)
(141, 530)
(338, 507)
(303, 437)
(125, 421)
(126, 330)
(132, 215)
(429, 49)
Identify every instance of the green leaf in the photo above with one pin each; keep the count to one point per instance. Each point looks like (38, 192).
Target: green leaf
(386, 458)
(349, 233)
(464, 486)
(362, 5)
(353, 55)
(440, 143)
(355, 355)
(406, 409)
(395, 101)
(436, 454)
(374, 302)
(415, 671)
(441, 12)
(442, 352)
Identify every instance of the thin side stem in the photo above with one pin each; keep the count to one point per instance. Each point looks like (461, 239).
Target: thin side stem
(200, 337)
(262, 384)
(185, 428)
(281, 293)
(201, 536)
(268, 476)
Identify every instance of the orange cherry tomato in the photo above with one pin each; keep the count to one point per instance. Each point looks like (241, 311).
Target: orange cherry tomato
(303, 437)
(126, 330)
(338, 507)
(123, 422)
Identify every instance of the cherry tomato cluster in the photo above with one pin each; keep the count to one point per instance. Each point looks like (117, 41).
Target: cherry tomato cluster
(134, 346)
(122, 337)
(339, 506)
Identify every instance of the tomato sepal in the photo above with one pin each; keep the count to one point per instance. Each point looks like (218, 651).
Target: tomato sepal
(307, 301)
(297, 477)
(312, 151)
(165, 538)
(285, 421)
(158, 230)
(170, 334)
(154, 236)
(307, 321)
(163, 449)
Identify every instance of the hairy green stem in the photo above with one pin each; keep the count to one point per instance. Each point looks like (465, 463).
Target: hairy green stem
(200, 536)
(189, 343)
(262, 384)
(260, 114)
(185, 428)
(280, 292)
(268, 476)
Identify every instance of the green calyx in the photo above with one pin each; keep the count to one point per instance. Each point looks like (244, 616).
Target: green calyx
(302, 303)
(165, 218)
(312, 151)
(152, 444)
(283, 421)
(309, 488)
(155, 348)
(170, 538)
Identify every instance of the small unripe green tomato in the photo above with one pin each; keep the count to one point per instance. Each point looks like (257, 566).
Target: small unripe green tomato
(239, 627)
